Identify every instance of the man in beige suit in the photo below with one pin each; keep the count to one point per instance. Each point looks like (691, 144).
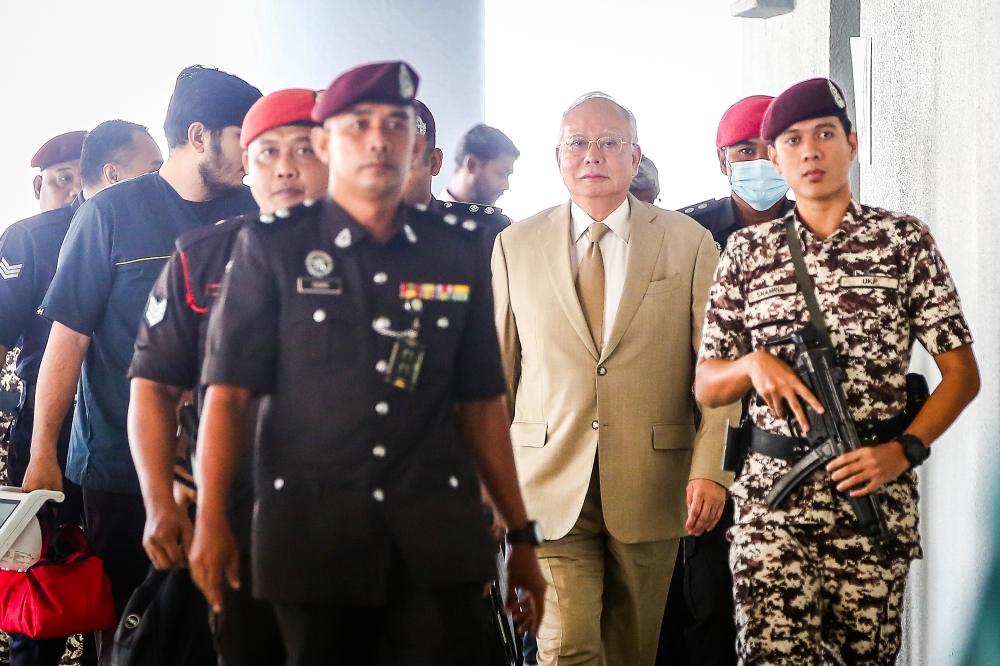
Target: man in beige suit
(600, 303)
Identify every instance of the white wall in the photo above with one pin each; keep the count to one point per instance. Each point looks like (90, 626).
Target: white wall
(675, 63)
(70, 64)
(936, 153)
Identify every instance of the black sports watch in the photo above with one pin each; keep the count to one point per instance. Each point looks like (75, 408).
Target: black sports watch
(914, 449)
(530, 534)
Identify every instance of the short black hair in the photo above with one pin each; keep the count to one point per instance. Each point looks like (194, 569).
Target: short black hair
(208, 96)
(485, 142)
(106, 143)
(425, 116)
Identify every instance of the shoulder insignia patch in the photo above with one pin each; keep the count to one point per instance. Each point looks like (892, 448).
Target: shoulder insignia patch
(156, 310)
(9, 271)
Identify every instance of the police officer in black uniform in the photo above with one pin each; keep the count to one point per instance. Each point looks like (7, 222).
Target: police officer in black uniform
(698, 627)
(363, 323)
(426, 165)
(283, 171)
(114, 150)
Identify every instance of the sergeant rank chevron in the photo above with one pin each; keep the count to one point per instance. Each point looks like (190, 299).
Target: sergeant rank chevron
(155, 310)
(9, 271)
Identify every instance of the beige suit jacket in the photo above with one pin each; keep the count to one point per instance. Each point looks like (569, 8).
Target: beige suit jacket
(633, 404)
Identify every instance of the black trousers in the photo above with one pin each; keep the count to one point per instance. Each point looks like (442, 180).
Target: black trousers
(114, 524)
(26, 651)
(415, 627)
(246, 632)
(698, 626)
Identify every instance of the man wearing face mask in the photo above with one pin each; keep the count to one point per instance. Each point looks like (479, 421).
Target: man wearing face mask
(698, 624)
(758, 192)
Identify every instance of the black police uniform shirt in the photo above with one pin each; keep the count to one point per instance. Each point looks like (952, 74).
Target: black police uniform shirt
(489, 219)
(114, 251)
(721, 218)
(29, 250)
(170, 345)
(361, 351)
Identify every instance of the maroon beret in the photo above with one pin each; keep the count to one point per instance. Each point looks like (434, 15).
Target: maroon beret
(814, 98)
(282, 107)
(384, 82)
(62, 148)
(742, 121)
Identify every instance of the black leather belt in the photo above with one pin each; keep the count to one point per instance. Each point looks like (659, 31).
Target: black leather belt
(793, 448)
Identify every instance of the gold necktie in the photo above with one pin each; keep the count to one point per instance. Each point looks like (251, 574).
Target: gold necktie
(590, 283)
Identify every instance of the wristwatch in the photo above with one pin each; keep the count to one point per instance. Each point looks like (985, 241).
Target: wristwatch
(530, 534)
(914, 449)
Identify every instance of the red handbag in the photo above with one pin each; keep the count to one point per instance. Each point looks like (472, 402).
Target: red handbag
(64, 593)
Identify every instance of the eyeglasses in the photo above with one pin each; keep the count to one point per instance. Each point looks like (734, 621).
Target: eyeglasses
(609, 145)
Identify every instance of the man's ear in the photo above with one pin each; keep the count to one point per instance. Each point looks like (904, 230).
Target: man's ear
(772, 155)
(37, 183)
(636, 159)
(472, 163)
(198, 137)
(852, 139)
(723, 165)
(110, 173)
(246, 161)
(437, 161)
(320, 137)
(559, 155)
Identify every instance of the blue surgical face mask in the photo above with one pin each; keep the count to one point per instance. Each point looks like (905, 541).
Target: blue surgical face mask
(758, 183)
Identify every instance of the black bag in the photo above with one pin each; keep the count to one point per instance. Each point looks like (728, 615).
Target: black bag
(166, 623)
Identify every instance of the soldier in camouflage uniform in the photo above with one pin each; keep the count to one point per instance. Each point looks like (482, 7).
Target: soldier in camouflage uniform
(808, 588)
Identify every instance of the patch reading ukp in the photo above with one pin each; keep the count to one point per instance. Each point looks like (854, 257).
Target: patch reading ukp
(870, 281)
(769, 292)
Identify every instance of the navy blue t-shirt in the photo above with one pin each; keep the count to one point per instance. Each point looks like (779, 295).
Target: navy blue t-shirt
(114, 250)
(28, 253)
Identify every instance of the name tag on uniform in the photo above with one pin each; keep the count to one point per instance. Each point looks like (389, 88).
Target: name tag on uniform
(404, 363)
(769, 292)
(870, 281)
(322, 286)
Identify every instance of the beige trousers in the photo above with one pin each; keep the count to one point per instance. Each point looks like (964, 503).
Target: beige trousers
(605, 599)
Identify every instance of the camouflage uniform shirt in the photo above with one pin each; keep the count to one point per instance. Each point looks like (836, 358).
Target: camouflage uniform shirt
(881, 284)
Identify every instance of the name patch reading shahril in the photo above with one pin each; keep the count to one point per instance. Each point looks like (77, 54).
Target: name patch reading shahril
(429, 291)
(872, 281)
(773, 290)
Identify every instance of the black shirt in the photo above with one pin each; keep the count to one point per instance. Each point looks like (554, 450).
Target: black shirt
(348, 464)
(29, 250)
(721, 218)
(114, 250)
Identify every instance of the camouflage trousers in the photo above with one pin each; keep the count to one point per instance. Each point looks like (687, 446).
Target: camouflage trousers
(812, 594)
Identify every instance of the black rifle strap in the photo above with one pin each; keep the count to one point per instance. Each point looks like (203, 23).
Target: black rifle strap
(806, 285)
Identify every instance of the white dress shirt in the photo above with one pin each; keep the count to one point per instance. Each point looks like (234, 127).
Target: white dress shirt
(614, 250)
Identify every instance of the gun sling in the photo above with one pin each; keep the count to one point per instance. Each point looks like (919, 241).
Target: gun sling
(793, 449)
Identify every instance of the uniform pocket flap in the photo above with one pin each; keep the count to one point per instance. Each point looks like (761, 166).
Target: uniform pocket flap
(668, 436)
(528, 433)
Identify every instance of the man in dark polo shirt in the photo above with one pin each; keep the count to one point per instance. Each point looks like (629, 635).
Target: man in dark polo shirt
(283, 172)
(113, 252)
(367, 327)
(113, 151)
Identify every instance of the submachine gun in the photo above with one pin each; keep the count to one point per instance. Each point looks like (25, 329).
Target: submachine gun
(831, 434)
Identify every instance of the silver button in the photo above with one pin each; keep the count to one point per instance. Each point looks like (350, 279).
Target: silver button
(602, 371)
(379, 451)
(378, 495)
(319, 315)
(282, 213)
(443, 322)
(593, 425)
(469, 225)
(451, 218)
(279, 483)
(382, 323)
(689, 210)
(382, 409)
(381, 366)
(380, 278)
(414, 305)
(267, 219)
(702, 206)
(453, 482)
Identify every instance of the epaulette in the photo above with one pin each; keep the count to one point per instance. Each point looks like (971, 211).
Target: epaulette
(473, 215)
(458, 219)
(702, 208)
